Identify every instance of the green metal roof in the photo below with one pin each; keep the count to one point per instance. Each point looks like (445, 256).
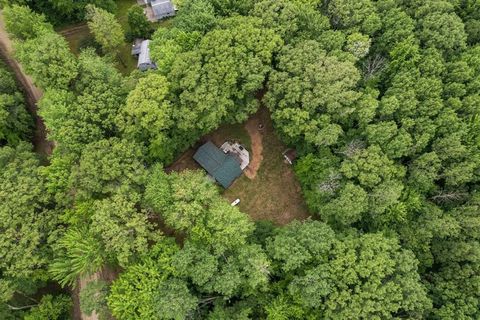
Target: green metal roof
(223, 167)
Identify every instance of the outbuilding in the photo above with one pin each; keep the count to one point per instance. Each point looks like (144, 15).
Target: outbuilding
(290, 155)
(144, 61)
(162, 9)
(223, 167)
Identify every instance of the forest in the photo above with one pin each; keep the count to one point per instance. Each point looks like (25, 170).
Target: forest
(380, 99)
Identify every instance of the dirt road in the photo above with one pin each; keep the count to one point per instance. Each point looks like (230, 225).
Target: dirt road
(252, 127)
(32, 93)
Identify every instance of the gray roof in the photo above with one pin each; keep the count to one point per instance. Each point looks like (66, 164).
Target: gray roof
(144, 61)
(223, 167)
(162, 8)
(137, 47)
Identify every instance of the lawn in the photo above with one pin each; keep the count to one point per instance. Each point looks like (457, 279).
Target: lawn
(274, 194)
(122, 10)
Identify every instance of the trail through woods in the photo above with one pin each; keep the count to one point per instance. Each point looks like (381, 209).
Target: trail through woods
(32, 94)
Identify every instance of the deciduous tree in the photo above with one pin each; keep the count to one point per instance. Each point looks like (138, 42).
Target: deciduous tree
(149, 117)
(312, 93)
(47, 58)
(105, 28)
(23, 24)
(139, 26)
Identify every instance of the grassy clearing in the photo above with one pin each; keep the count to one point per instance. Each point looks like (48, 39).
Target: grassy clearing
(275, 193)
(79, 37)
(122, 10)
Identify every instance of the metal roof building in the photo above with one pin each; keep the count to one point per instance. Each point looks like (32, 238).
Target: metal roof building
(162, 8)
(144, 61)
(223, 167)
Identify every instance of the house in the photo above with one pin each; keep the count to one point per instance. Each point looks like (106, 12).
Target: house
(162, 9)
(223, 166)
(144, 61)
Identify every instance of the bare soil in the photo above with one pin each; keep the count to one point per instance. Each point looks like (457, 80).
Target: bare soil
(32, 94)
(106, 274)
(74, 29)
(253, 127)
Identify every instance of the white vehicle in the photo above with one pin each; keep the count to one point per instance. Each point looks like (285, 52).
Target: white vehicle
(234, 203)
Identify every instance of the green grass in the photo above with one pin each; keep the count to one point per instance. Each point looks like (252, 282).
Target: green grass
(233, 132)
(122, 10)
(78, 38)
(129, 62)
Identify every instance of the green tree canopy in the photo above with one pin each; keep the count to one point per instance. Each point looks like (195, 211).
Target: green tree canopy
(196, 15)
(134, 294)
(189, 202)
(124, 231)
(368, 275)
(23, 24)
(312, 93)
(218, 81)
(47, 58)
(105, 28)
(149, 116)
(139, 26)
(108, 167)
(353, 14)
(15, 122)
(293, 20)
(27, 220)
(87, 112)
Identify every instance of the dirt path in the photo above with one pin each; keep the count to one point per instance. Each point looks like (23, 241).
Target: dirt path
(252, 127)
(32, 93)
(106, 274)
(73, 29)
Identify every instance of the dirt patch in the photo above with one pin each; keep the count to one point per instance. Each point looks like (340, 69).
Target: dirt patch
(74, 29)
(184, 162)
(254, 128)
(32, 94)
(106, 274)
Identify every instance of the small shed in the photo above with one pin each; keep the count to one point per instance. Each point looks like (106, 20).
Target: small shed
(137, 47)
(290, 155)
(223, 167)
(144, 61)
(162, 9)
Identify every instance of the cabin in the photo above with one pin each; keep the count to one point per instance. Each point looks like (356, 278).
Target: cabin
(223, 164)
(141, 50)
